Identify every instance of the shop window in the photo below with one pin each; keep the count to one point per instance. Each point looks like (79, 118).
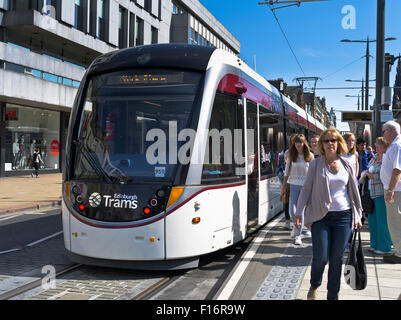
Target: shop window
(27, 129)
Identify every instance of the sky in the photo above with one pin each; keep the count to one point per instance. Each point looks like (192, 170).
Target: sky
(314, 31)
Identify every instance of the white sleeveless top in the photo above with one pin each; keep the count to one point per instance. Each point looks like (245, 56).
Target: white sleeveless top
(338, 189)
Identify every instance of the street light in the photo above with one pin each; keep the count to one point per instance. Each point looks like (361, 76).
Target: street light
(367, 41)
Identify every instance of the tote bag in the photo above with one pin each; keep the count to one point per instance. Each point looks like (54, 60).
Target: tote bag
(355, 268)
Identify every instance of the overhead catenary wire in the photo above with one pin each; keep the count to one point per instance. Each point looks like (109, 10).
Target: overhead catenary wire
(343, 67)
(288, 42)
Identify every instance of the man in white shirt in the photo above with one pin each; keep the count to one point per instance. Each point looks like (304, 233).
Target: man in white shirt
(390, 174)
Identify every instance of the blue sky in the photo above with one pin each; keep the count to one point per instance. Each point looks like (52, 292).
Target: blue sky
(314, 31)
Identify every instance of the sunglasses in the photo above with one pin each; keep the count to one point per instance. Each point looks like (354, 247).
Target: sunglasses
(330, 140)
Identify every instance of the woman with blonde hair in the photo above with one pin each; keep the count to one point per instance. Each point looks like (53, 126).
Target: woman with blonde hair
(330, 203)
(351, 155)
(380, 239)
(299, 157)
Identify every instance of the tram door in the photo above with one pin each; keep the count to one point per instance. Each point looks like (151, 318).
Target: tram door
(252, 164)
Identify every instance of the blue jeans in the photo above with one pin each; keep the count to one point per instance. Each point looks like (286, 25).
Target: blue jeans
(294, 195)
(329, 238)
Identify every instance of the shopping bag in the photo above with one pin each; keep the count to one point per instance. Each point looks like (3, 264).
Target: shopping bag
(355, 268)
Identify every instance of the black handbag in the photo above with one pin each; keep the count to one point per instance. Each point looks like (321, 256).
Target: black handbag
(368, 204)
(355, 268)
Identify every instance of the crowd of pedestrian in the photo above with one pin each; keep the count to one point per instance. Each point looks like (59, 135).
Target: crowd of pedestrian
(325, 179)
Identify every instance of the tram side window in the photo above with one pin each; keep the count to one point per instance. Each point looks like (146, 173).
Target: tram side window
(271, 141)
(222, 160)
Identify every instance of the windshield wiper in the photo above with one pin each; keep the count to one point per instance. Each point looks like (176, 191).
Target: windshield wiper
(93, 162)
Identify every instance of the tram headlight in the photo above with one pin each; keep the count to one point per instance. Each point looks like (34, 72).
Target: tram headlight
(160, 193)
(153, 202)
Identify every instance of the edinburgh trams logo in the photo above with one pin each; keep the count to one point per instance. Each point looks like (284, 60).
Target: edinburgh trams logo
(116, 201)
(95, 199)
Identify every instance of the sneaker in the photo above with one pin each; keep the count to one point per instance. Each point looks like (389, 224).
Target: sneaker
(287, 225)
(298, 240)
(307, 233)
(312, 294)
(382, 253)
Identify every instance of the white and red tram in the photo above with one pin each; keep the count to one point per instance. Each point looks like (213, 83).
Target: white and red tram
(145, 184)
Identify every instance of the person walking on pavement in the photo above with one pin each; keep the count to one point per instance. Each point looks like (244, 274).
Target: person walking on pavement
(363, 158)
(286, 196)
(296, 169)
(331, 204)
(351, 155)
(37, 159)
(314, 145)
(380, 239)
(390, 174)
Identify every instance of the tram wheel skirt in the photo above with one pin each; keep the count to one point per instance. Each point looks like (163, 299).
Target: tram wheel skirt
(176, 264)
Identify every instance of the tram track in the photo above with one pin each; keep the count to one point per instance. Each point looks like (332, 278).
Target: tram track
(34, 284)
(144, 289)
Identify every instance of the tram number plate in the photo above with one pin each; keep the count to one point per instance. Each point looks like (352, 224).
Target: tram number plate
(160, 172)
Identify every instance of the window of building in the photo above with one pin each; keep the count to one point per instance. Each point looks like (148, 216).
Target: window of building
(131, 29)
(122, 27)
(139, 27)
(26, 129)
(102, 19)
(80, 13)
(9, 66)
(51, 8)
(177, 9)
(224, 161)
(148, 6)
(155, 34)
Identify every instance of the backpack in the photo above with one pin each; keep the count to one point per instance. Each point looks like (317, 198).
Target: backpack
(35, 156)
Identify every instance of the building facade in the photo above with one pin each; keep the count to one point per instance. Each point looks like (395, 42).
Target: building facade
(46, 46)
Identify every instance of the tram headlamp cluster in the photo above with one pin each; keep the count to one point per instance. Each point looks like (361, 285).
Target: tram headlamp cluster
(76, 191)
(157, 203)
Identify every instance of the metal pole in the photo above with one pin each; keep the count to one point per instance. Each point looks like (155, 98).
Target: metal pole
(379, 64)
(362, 100)
(367, 76)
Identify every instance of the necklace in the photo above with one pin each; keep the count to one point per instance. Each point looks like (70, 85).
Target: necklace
(333, 166)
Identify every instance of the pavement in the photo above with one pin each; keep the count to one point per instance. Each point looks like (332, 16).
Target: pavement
(277, 270)
(24, 192)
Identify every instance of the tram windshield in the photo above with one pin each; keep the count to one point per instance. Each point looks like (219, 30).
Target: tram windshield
(128, 120)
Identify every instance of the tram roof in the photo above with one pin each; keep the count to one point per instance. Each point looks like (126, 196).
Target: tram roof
(178, 55)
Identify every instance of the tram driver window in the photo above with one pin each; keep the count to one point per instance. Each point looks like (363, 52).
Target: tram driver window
(220, 162)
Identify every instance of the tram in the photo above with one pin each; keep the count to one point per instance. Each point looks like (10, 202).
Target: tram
(173, 151)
